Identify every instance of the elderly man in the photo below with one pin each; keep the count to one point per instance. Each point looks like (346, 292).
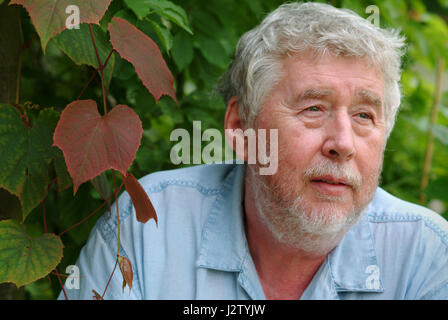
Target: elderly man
(319, 227)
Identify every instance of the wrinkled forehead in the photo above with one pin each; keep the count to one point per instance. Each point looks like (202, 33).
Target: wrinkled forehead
(310, 76)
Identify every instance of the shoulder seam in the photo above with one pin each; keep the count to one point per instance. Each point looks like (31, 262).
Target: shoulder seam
(399, 217)
(185, 183)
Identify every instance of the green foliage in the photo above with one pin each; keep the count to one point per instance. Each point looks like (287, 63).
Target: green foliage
(197, 40)
(24, 259)
(77, 44)
(27, 155)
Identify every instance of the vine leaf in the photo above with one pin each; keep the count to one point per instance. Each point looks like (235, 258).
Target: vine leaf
(140, 50)
(49, 16)
(126, 271)
(92, 143)
(26, 155)
(144, 209)
(24, 259)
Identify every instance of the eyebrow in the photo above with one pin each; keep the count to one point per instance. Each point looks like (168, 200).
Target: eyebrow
(314, 93)
(363, 95)
(369, 97)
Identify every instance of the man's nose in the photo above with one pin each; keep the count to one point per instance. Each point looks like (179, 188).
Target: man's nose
(339, 141)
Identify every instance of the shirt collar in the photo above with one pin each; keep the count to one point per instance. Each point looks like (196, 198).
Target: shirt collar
(352, 264)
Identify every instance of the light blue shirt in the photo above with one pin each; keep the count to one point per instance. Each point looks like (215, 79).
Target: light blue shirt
(199, 250)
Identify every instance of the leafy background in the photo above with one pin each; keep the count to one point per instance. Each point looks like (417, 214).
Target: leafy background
(197, 48)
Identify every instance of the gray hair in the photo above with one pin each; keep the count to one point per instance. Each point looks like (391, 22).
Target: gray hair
(295, 27)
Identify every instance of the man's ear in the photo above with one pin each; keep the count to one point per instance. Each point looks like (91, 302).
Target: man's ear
(234, 129)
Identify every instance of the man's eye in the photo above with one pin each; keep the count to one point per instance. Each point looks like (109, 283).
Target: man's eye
(365, 115)
(313, 108)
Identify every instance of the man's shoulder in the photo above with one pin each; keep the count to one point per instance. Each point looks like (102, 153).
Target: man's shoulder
(389, 209)
(411, 245)
(176, 195)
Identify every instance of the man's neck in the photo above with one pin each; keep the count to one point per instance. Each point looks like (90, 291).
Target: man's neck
(284, 272)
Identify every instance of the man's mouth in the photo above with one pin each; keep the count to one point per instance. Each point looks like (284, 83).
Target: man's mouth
(330, 185)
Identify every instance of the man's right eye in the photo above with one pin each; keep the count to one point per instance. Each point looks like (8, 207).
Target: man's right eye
(313, 108)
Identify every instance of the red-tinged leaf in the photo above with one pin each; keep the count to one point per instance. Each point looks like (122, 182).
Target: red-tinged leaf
(96, 295)
(139, 49)
(126, 271)
(144, 209)
(50, 16)
(92, 143)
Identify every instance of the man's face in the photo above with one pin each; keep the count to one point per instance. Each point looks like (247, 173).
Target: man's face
(331, 128)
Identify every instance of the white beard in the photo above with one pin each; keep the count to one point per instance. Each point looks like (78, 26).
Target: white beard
(295, 223)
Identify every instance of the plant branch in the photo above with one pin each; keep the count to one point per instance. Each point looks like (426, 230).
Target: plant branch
(100, 67)
(118, 215)
(61, 284)
(90, 215)
(118, 234)
(110, 278)
(19, 67)
(94, 74)
(43, 205)
(430, 145)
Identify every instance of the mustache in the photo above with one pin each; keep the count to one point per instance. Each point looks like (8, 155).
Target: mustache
(336, 170)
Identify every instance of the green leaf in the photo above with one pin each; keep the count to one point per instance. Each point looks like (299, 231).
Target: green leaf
(78, 45)
(213, 51)
(182, 50)
(101, 185)
(27, 154)
(164, 8)
(438, 188)
(63, 177)
(164, 35)
(23, 259)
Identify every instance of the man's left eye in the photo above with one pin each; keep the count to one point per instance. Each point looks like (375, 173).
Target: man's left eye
(365, 115)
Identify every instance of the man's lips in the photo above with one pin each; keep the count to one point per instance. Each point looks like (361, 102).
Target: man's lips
(330, 185)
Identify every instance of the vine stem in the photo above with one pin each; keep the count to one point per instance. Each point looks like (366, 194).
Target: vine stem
(61, 284)
(430, 145)
(19, 67)
(94, 74)
(100, 67)
(91, 214)
(43, 205)
(118, 234)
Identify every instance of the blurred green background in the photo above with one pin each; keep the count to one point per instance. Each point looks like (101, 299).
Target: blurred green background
(196, 61)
